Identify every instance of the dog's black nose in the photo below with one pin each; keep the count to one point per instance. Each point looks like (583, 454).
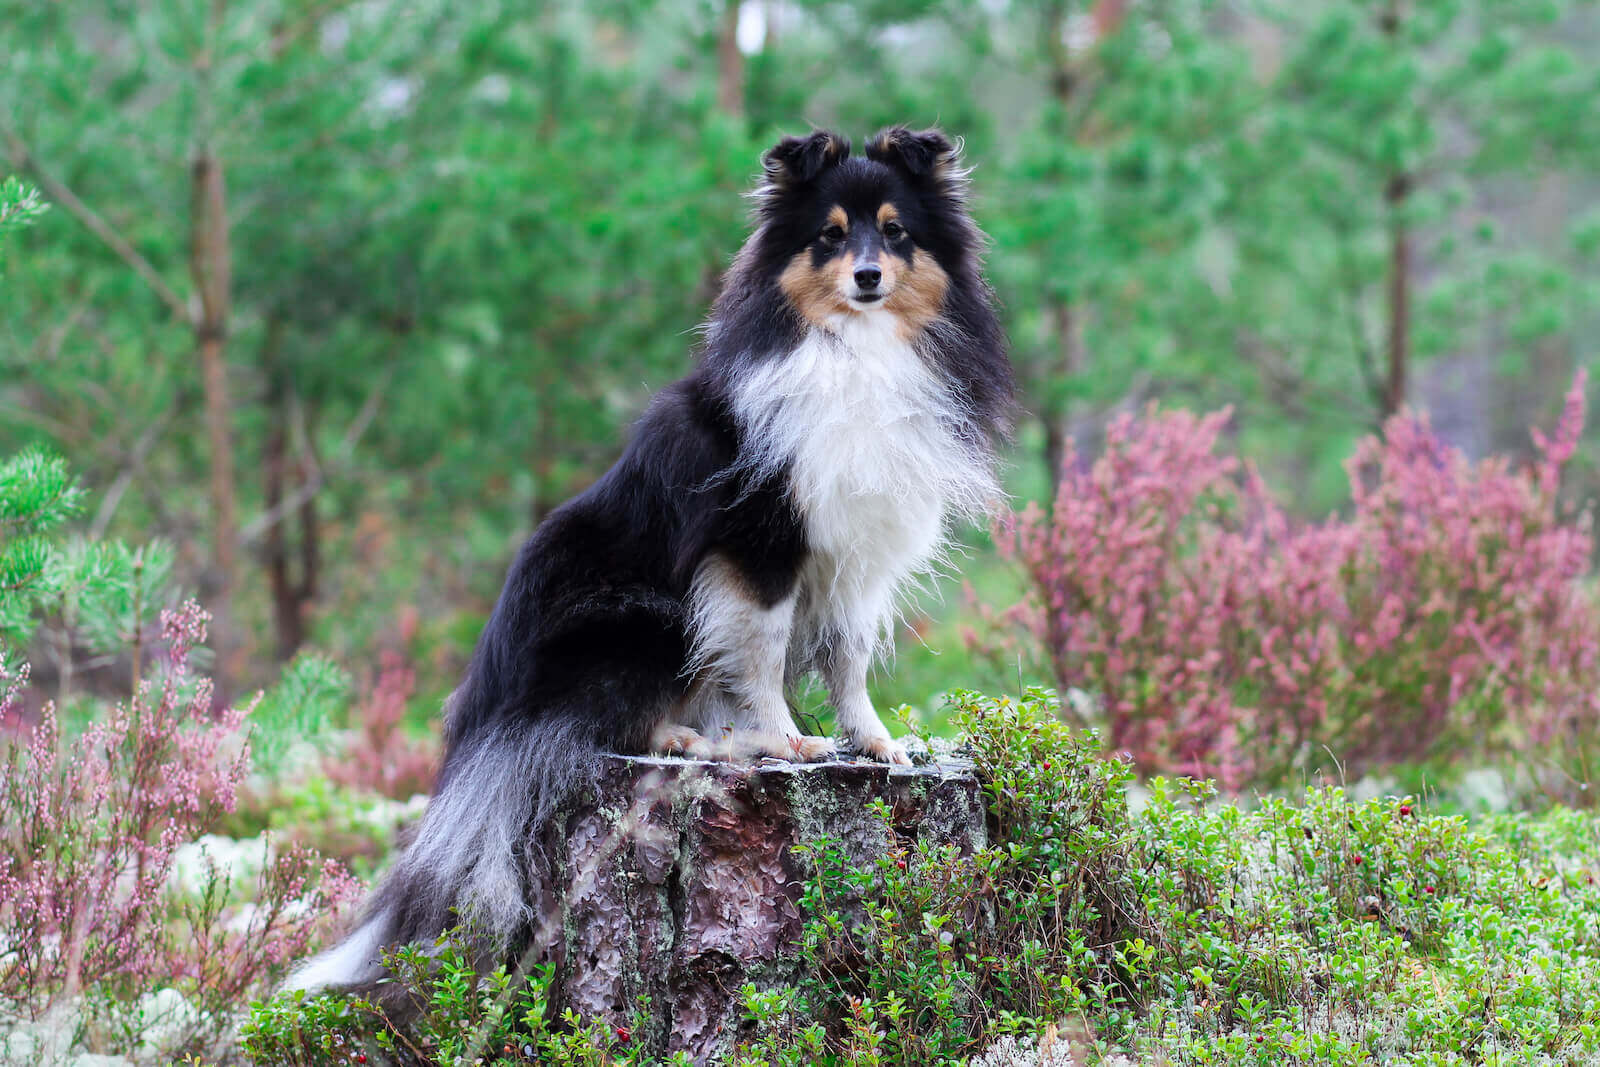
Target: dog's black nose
(868, 277)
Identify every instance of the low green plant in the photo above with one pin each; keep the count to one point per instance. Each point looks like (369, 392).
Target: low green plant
(1185, 928)
(1201, 930)
(300, 706)
(930, 952)
(449, 1013)
(1326, 931)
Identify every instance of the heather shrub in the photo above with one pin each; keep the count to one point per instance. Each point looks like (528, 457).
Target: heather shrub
(91, 916)
(118, 933)
(1219, 637)
(381, 756)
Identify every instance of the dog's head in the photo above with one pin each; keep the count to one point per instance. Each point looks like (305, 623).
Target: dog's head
(884, 234)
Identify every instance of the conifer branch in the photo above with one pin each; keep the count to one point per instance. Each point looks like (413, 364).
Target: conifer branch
(59, 193)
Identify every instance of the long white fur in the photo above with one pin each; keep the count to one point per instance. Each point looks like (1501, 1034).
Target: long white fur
(880, 461)
(348, 961)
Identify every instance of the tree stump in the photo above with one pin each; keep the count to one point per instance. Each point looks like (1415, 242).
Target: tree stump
(676, 880)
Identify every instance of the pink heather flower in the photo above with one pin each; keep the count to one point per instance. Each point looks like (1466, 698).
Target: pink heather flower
(1224, 638)
(383, 758)
(88, 830)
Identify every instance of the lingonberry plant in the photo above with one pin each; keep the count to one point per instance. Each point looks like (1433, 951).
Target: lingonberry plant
(1448, 611)
(1312, 930)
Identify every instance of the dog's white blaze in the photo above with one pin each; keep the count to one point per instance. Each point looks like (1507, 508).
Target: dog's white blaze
(880, 464)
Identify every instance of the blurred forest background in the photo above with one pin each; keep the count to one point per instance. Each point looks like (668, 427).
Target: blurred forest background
(339, 297)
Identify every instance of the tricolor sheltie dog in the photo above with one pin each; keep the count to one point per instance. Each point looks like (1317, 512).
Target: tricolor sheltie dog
(760, 525)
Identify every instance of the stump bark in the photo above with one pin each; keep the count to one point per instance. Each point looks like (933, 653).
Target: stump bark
(677, 880)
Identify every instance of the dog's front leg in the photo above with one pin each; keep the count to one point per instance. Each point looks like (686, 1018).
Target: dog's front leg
(756, 676)
(741, 644)
(844, 669)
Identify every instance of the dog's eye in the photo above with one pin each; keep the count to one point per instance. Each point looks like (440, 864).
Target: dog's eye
(893, 230)
(833, 233)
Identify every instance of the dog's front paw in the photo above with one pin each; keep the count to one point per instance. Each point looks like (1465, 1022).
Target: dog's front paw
(672, 739)
(885, 749)
(809, 749)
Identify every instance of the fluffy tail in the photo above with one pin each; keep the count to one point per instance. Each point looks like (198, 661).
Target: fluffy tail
(470, 861)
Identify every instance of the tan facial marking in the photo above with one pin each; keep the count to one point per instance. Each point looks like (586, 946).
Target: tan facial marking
(913, 293)
(890, 265)
(917, 298)
(817, 292)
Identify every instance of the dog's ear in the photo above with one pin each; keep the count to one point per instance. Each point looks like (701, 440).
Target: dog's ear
(796, 161)
(921, 155)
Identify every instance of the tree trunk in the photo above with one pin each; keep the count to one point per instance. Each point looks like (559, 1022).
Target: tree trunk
(289, 470)
(211, 270)
(276, 487)
(730, 62)
(1055, 448)
(274, 545)
(310, 534)
(1394, 392)
(679, 880)
(1395, 192)
(1059, 419)
(1065, 322)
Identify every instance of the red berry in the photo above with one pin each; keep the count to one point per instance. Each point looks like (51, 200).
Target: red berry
(1405, 809)
(1428, 889)
(1355, 858)
(622, 1034)
(361, 1057)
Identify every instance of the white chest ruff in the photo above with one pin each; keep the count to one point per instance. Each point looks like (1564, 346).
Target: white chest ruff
(871, 440)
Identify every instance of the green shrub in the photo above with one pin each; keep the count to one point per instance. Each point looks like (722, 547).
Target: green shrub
(948, 949)
(455, 1015)
(1193, 930)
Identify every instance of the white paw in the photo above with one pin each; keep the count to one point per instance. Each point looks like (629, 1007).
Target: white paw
(885, 749)
(809, 749)
(671, 739)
